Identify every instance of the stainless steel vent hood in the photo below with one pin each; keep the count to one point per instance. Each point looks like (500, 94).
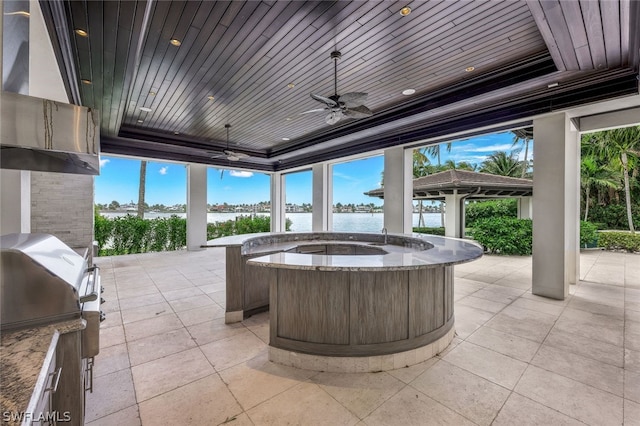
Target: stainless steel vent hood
(44, 135)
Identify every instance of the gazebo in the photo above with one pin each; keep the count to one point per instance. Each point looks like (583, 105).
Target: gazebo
(455, 186)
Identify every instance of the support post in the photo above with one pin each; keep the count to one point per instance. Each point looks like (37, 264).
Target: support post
(556, 206)
(278, 218)
(525, 208)
(196, 206)
(398, 190)
(454, 215)
(322, 198)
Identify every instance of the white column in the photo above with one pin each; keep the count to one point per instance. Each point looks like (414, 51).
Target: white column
(556, 191)
(454, 215)
(322, 201)
(278, 217)
(196, 206)
(398, 190)
(15, 201)
(525, 208)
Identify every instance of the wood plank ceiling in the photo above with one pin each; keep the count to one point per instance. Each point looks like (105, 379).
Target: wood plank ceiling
(253, 64)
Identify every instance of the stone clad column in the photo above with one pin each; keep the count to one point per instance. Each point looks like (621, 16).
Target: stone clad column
(322, 201)
(277, 203)
(556, 206)
(398, 190)
(196, 206)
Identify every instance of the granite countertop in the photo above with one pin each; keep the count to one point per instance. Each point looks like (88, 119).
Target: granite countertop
(23, 353)
(404, 251)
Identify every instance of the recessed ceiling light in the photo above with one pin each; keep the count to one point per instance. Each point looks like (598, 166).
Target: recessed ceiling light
(408, 92)
(552, 85)
(210, 97)
(145, 109)
(291, 85)
(176, 133)
(140, 121)
(405, 11)
(288, 119)
(175, 42)
(286, 139)
(85, 81)
(82, 33)
(152, 93)
(18, 13)
(469, 69)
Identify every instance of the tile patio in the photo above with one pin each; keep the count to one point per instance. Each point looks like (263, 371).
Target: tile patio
(168, 358)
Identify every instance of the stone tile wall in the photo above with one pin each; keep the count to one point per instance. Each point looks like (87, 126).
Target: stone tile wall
(62, 205)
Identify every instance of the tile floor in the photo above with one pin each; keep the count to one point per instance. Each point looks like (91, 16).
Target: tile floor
(168, 358)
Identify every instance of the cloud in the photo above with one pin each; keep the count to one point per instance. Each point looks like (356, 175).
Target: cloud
(345, 176)
(103, 162)
(487, 148)
(163, 170)
(240, 174)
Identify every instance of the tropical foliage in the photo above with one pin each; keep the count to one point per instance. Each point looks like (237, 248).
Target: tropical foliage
(503, 164)
(617, 151)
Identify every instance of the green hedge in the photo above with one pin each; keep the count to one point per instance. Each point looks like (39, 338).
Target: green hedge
(504, 235)
(490, 209)
(588, 234)
(612, 240)
(427, 230)
(613, 216)
(130, 234)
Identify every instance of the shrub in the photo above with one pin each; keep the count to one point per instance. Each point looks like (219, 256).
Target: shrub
(427, 230)
(490, 209)
(503, 235)
(613, 216)
(130, 234)
(588, 234)
(612, 240)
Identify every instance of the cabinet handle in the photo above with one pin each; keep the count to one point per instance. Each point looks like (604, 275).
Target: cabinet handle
(89, 375)
(55, 381)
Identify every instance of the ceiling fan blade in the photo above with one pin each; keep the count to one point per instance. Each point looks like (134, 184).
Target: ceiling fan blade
(334, 117)
(358, 112)
(330, 102)
(315, 110)
(353, 99)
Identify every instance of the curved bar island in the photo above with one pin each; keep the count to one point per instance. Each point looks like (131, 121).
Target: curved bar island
(347, 302)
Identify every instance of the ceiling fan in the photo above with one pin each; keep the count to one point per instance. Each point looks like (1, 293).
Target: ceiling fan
(349, 105)
(228, 154)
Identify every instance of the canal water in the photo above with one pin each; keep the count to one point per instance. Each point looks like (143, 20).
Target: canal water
(301, 222)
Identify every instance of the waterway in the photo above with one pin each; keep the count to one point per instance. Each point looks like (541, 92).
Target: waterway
(301, 222)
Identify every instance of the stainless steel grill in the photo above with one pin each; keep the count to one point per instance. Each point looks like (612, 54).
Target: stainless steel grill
(43, 281)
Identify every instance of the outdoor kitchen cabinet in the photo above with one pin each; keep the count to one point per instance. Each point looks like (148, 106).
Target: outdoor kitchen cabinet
(69, 398)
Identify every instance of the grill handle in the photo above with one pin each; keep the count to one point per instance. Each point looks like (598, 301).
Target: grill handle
(93, 294)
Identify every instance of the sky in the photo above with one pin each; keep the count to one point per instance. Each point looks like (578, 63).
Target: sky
(166, 183)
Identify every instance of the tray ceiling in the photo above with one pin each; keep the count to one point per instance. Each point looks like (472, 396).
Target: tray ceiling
(253, 64)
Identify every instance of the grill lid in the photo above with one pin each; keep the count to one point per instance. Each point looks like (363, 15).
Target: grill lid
(40, 280)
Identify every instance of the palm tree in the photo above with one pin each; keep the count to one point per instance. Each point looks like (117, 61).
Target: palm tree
(594, 174)
(622, 148)
(141, 188)
(420, 163)
(434, 150)
(503, 164)
(462, 165)
(525, 135)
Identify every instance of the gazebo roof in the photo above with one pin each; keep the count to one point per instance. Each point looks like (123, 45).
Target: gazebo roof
(477, 185)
